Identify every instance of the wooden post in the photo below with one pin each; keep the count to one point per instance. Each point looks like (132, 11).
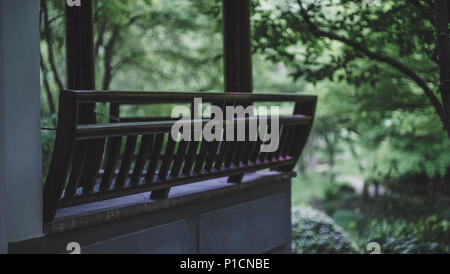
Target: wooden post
(237, 47)
(237, 53)
(443, 49)
(80, 54)
(81, 76)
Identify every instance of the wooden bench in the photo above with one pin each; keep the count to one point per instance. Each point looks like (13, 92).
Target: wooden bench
(131, 155)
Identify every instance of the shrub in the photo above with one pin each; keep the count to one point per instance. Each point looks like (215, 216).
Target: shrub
(315, 232)
(429, 235)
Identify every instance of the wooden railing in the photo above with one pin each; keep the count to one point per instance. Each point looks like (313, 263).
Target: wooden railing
(132, 155)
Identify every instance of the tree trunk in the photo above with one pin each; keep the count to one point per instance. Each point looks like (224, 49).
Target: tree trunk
(443, 48)
(48, 93)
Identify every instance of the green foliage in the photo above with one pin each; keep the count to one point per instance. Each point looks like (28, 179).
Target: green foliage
(349, 220)
(399, 221)
(315, 232)
(146, 44)
(370, 77)
(306, 186)
(428, 235)
(278, 30)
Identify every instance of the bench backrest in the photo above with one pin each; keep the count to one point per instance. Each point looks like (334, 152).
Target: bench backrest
(131, 155)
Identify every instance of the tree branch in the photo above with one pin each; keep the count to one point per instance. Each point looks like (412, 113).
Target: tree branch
(48, 93)
(126, 60)
(383, 59)
(100, 36)
(49, 40)
(109, 51)
(107, 60)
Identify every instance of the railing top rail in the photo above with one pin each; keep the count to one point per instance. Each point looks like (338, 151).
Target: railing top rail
(142, 97)
(84, 132)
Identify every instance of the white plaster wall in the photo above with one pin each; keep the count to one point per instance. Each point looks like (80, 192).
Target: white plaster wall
(20, 139)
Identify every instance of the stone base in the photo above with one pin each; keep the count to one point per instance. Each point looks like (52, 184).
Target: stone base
(207, 217)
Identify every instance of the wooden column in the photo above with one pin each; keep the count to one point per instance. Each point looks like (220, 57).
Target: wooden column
(237, 55)
(81, 76)
(80, 54)
(237, 47)
(443, 48)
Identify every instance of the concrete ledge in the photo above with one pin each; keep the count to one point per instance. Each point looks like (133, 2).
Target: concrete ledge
(252, 227)
(171, 238)
(253, 215)
(81, 216)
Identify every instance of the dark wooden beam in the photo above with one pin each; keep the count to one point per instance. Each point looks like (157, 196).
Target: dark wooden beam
(80, 54)
(81, 76)
(443, 48)
(237, 46)
(237, 53)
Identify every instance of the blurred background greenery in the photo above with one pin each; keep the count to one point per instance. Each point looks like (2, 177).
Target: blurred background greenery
(377, 164)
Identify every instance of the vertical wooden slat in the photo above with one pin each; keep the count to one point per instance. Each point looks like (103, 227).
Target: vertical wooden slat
(146, 143)
(167, 160)
(212, 155)
(254, 153)
(242, 148)
(211, 151)
(76, 169)
(288, 141)
(239, 147)
(250, 146)
(127, 158)
(239, 153)
(200, 159)
(91, 170)
(284, 134)
(271, 156)
(154, 157)
(235, 157)
(192, 151)
(179, 158)
(164, 169)
(232, 147)
(263, 155)
(222, 152)
(222, 145)
(113, 148)
(295, 140)
(114, 113)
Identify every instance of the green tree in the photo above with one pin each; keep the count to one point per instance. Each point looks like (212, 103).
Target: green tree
(387, 56)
